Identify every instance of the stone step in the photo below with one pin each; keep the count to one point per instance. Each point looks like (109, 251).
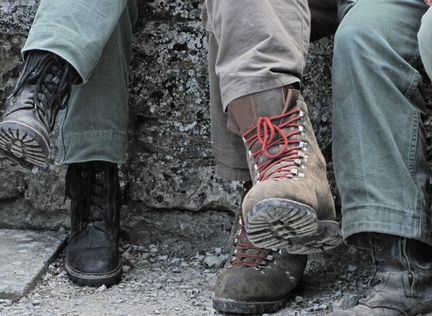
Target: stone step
(24, 256)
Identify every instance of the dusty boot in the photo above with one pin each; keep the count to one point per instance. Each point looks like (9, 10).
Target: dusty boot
(30, 111)
(92, 254)
(255, 280)
(290, 204)
(402, 285)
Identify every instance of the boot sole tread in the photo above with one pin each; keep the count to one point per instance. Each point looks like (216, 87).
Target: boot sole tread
(239, 307)
(22, 147)
(281, 223)
(93, 279)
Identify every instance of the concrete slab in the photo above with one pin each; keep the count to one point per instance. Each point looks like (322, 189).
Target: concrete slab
(24, 255)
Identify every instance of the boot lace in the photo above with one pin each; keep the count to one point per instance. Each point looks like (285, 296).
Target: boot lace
(280, 152)
(88, 189)
(50, 81)
(247, 255)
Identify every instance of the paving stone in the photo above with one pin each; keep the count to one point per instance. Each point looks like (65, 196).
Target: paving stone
(24, 255)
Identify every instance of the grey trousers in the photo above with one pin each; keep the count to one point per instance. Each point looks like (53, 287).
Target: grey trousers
(379, 148)
(254, 45)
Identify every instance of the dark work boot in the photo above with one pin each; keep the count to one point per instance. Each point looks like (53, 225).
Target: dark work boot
(255, 280)
(290, 204)
(402, 285)
(43, 87)
(92, 254)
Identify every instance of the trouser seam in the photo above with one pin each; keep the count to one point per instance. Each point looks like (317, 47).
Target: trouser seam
(413, 144)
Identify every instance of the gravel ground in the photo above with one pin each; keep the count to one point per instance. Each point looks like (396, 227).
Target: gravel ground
(158, 283)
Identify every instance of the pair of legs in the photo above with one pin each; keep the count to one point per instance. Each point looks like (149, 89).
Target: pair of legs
(255, 74)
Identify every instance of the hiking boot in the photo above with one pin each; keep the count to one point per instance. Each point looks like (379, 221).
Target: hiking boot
(255, 280)
(290, 204)
(402, 285)
(93, 254)
(43, 87)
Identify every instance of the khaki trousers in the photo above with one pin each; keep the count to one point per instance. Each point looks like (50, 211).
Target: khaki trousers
(256, 45)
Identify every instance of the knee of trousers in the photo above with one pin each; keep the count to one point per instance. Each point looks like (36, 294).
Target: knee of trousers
(365, 53)
(356, 41)
(425, 42)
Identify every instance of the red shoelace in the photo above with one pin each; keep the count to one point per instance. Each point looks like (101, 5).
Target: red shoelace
(265, 133)
(244, 257)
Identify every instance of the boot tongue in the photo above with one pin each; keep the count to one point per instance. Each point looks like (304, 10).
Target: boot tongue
(98, 196)
(247, 254)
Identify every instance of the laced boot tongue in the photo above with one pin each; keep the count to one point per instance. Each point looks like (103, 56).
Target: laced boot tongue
(276, 146)
(247, 255)
(98, 200)
(50, 79)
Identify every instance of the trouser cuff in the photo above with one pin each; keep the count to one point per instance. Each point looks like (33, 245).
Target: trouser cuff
(383, 220)
(68, 46)
(91, 146)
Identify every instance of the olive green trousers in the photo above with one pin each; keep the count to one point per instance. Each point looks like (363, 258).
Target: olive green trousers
(379, 145)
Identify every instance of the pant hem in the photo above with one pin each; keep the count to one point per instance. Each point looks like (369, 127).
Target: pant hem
(246, 86)
(95, 145)
(68, 46)
(383, 220)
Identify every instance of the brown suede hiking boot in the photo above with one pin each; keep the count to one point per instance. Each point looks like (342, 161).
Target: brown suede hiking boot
(30, 111)
(290, 204)
(255, 280)
(402, 285)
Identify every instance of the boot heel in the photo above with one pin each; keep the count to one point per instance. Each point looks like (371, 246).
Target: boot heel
(273, 223)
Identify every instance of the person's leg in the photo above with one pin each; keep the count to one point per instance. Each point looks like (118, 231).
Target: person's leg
(259, 74)
(77, 31)
(378, 137)
(94, 42)
(94, 125)
(92, 141)
(64, 45)
(227, 146)
(379, 150)
(255, 59)
(425, 42)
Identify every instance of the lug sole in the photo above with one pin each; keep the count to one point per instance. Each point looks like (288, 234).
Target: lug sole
(281, 223)
(237, 307)
(326, 238)
(22, 147)
(94, 280)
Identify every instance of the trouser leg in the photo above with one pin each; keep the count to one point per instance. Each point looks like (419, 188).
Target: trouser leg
(425, 42)
(95, 38)
(77, 30)
(266, 50)
(94, 126)
(378, 137)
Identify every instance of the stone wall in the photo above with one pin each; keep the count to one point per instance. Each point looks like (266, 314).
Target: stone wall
(169, 185)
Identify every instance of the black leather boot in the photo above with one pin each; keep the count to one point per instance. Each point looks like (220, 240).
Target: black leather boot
(93, 255)
(402, 285)
(43, 87)
(255, 280)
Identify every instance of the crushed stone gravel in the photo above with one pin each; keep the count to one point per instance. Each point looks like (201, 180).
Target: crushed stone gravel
(156, 282)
